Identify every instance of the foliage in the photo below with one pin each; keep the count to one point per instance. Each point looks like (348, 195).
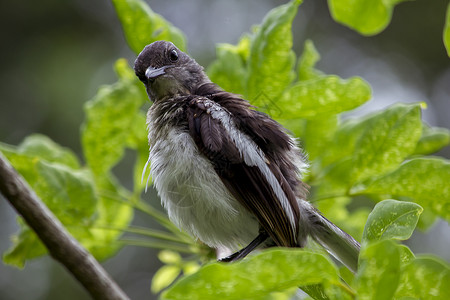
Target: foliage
(447, 30)
(381, 157)
(367, 17)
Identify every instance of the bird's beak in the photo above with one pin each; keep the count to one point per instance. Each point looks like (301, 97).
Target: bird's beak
(151, 73)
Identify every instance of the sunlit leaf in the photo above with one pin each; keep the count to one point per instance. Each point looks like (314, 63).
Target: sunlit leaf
(109, 117)
(432, 140)
(164, 277)
(190, 267)
(284, 295)
(26, 245)
(41, 146)
(68, 193)
(446, 35)
(169, 257)
(368, 17)
(307, 61)
(342, 145)
(387, 140)
(142, 26)
(426, 220)
(374, 144)
(229, 70)
(423, 179)
(317, 135)
(391, 219)
(379, 271)
(256, 276)
(425, 278)
(347, 275)
(322, 96)
(271, 60)
(406, 255)
(113, 123)
(315, 291)
(319, 96)
(138, 140)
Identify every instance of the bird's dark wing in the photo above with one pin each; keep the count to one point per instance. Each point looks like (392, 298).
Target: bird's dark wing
(268, 134)
(250, 177)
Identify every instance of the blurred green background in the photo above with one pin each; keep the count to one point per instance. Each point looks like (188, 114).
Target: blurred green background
(55, 54)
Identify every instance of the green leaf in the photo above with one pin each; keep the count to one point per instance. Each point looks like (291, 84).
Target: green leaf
(142, 26)
(169, 257)
(355, 222)
(335, 208)
(114, 122)
(109, 117)
(446, 34)
(406, 255)
(41, 146)
(391, 219)
(317, 135)
(228, 70)
(190, 267)
(342, 145)
(111, 214)
(425, 278)
(270, 271)
(315, 291)
(347, 275)
(26, 246)
(307, 61)
(284, 295)
(323, 96)
(425, 180)
(68, 193)
(164, 277)
(295, 126)
(316, 95)
(389, 138)
(271, 60)
(432, 140)
(426, 220)
(138, 140)
(368, 17)
(369, 145)
(379, 271)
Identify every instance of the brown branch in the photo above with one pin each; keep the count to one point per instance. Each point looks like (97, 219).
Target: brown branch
(60, 244)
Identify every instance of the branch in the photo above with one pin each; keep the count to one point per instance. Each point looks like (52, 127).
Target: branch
(60, 244)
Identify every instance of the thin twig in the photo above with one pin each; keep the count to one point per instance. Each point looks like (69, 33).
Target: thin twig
(155, 245)
(153, 233)
(152, 212)
(60, 244)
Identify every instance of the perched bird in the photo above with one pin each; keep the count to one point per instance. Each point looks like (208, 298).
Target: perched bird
(227, 174)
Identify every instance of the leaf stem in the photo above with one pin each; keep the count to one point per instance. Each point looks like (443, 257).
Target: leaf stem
(324, 197)
(152, 212)
(145, 232)
(157, 245)
(163, 220)
(347, 289)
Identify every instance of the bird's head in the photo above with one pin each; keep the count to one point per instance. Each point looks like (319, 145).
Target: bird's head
(167, 71)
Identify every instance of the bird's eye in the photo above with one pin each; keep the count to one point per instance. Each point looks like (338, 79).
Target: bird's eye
(173, 55)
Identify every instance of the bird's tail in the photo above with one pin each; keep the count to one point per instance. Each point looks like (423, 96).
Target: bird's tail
(339, 243)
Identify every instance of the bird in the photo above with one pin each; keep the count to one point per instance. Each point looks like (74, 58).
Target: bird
(227, 174)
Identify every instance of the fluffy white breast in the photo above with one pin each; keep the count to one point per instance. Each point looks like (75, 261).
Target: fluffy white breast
(195, 198)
